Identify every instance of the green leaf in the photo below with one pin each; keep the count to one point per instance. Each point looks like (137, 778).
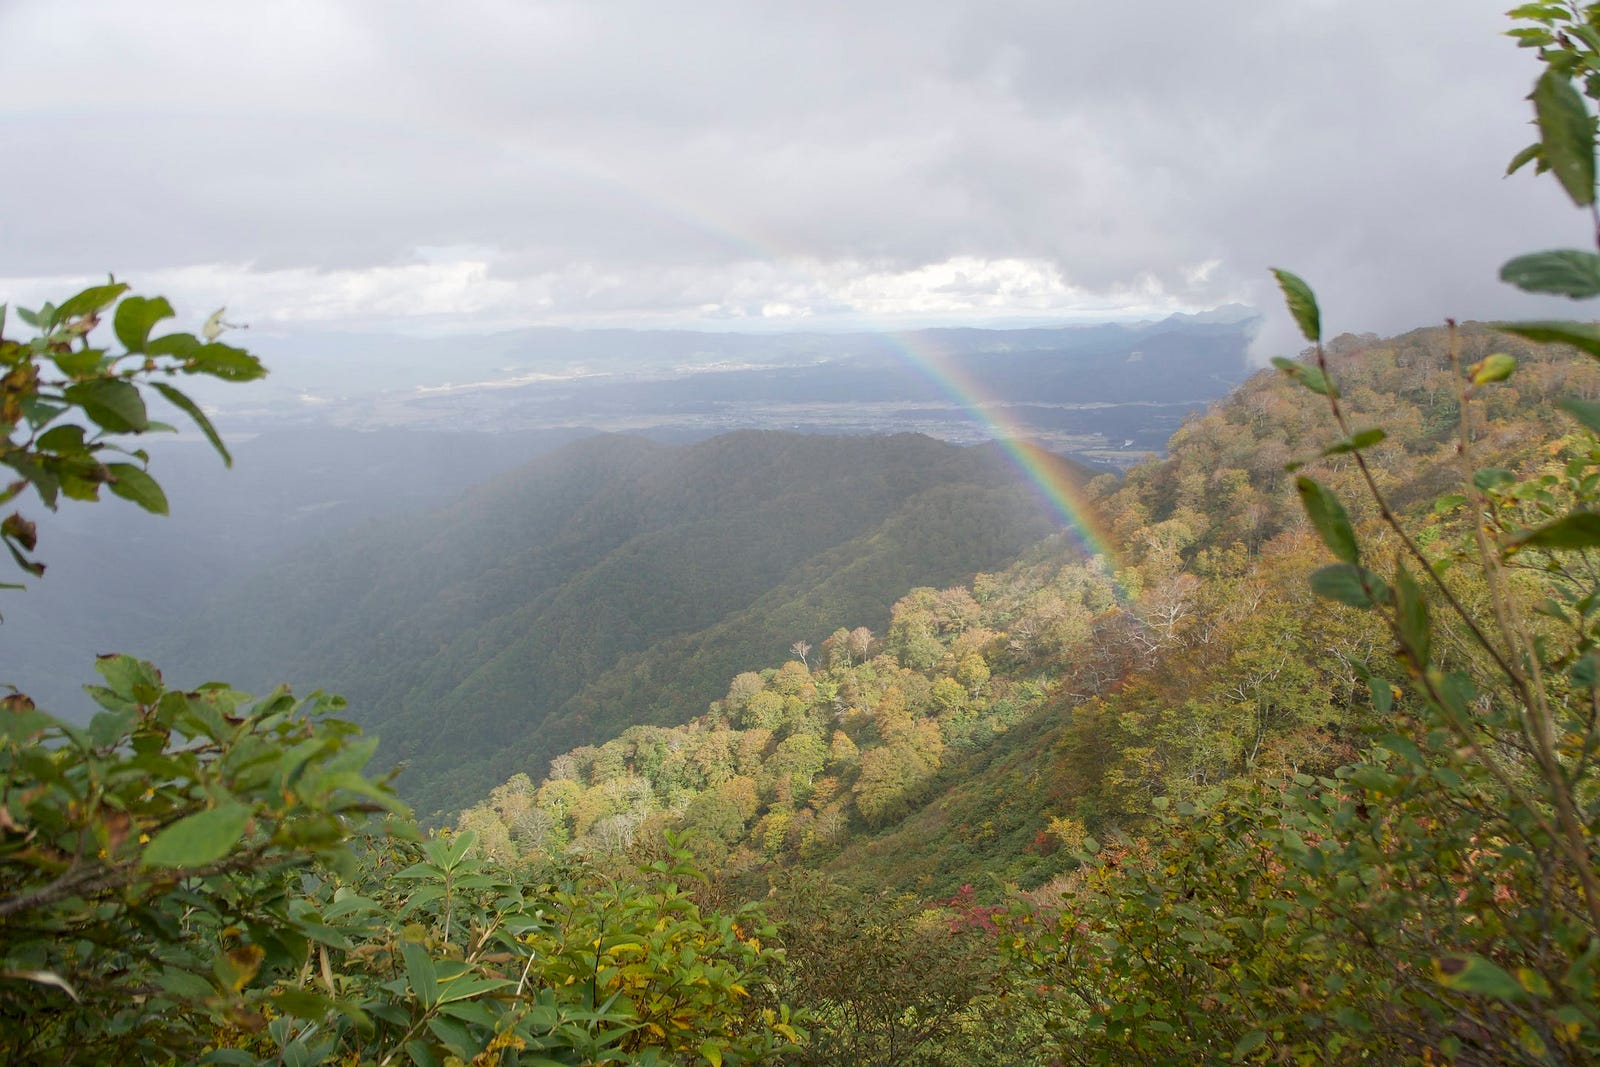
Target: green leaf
(1495, 367)
(85, 363)
(136, 317)
(1568, 271)
(1249, 1043)
(25, 723)
(1532, 37)
(109, 700)
(225, 362)
(176, 345)
(89, 301)
(1355, 442)
(1580, 335)
(1411, 616)
(1349, 584)
(1524, 157)
(1573, 532)
(112, 403)
(1587, 412)
(1310, 377)
(1329, 518)
(189, 407)
(1474, 974)
(184, 984)
(421, 1054)
(1589, 37)
(467, 986)
(64, 438)
(1405, 748)
(1537, 12)
(199, 839)
(1302, 304)
(1382, 692)
(424, 977)
(82, 484)
(110, 727)
(132, 483)
(1567, 135)
(1488, 479)
(132, 679)
(302, 1003)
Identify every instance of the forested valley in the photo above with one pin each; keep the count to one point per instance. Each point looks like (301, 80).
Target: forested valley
(611, 583)
(1287, 755)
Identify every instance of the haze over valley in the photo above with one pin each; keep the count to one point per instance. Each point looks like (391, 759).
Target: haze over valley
(321, 450)
(1109, 391)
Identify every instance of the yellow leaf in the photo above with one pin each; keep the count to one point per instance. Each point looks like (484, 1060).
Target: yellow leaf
(238, 966)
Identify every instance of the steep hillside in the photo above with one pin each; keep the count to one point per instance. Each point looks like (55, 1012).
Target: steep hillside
(523, 619)
(989, 730)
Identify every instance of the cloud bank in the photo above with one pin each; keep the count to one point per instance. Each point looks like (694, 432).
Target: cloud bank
(488, 164)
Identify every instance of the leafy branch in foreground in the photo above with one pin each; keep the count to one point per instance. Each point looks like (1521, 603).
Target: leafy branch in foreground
(1507, 721)
(144, 859)
(1438, 899)
(68, 405)
(195, 877)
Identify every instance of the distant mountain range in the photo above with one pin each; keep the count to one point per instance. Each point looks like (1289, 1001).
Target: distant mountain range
(1107, 388)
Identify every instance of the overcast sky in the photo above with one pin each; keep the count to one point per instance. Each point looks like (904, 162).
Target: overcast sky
(483, 164)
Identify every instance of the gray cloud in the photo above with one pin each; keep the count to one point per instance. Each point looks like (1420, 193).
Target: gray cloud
(517, 162)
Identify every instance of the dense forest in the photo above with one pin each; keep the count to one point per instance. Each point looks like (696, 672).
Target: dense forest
(1063, 697)
(1302, 771)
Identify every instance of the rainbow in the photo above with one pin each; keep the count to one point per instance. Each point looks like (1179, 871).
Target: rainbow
(1042, 469)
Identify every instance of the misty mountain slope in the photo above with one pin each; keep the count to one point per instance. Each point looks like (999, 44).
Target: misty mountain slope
(457, 634)
(940, 537)
(118, 577)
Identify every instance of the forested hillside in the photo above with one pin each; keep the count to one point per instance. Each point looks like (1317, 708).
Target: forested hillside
(613, 582)
(989, 726)
(1039, 727)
